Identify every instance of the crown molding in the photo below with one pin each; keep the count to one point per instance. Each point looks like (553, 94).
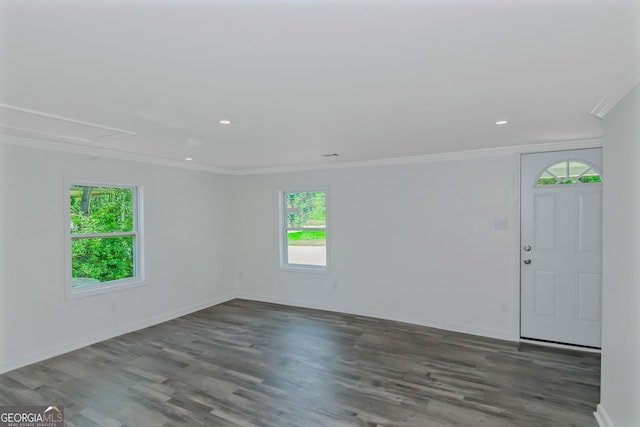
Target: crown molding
(620, 88)
(96, 152)
(430, 158)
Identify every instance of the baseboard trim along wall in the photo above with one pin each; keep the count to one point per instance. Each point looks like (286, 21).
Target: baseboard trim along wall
(454, 327)
(10, 365)
(141, 324)
(602, 417)
(562, 346)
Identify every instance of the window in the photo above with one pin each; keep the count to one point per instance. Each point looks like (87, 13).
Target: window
(567, 173)
(103, 237)
(303, 223)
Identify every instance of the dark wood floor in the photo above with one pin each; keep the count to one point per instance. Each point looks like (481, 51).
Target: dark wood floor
(245, 363)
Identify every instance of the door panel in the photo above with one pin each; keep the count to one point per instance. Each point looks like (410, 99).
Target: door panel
(561, 254)
(545, 293)
(545, 222)
(590, 222)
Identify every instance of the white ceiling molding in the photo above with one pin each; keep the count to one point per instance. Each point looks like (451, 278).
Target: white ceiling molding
(397, 161)
(22, 122)
(98, 153)
(430, 158)
(620, 88)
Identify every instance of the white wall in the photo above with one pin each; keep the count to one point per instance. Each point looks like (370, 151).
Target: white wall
(620, 384)
(415, 243)
(187, 255)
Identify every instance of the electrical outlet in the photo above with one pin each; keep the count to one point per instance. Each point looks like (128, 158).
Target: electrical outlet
(504, 307)
(335, 285)
(113, 307)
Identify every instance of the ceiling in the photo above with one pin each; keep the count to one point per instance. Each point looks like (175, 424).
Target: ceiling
(298, 79)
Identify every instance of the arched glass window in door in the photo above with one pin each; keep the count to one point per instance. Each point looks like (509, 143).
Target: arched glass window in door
(567, 173)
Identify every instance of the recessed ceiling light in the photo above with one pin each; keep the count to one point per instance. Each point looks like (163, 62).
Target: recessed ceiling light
(502, 122)
(188, 158)
(225, 122)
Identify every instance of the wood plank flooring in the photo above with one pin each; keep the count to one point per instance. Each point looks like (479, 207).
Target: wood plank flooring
(246, 363)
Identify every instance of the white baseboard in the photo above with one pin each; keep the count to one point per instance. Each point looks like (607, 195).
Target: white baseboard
(454, 327)
(562, 346)
(602, 417)
(10, 365)
(57, 350)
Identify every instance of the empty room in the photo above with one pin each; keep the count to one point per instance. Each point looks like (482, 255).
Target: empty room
(319, 213)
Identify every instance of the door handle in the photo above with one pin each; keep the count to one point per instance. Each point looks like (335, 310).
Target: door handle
(527, 261)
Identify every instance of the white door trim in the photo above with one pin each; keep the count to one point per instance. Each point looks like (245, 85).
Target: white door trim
(517, 241)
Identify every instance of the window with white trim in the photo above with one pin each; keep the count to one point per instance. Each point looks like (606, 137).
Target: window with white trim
(303, 229)
(104, 243)
(569, 172)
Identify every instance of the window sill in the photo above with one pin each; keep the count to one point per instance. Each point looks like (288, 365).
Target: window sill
(88, 290)
(305, 269)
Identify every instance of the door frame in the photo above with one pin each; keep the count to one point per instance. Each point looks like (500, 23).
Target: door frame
(517, 233)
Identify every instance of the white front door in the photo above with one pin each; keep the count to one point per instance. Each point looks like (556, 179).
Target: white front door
(561, 251)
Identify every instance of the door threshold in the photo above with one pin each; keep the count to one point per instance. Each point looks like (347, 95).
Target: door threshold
(553, 344)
